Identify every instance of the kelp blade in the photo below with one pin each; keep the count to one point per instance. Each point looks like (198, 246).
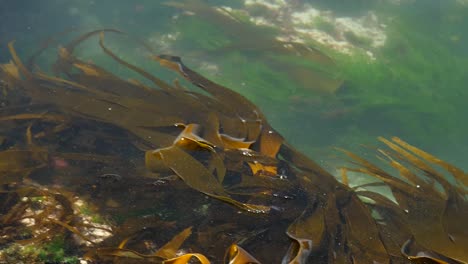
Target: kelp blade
(98, 123)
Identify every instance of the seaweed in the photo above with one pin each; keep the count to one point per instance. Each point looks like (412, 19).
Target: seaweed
(180, 175)
(446, 205)
(218, 32)
(403, 92)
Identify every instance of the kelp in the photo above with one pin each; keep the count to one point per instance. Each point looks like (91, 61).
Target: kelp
(180, 176)
(423, 195)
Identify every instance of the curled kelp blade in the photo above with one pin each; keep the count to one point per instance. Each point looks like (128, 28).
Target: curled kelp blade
(410, 250)
(336, 219)
(237, 255)
(306, 231)
(187, 259)
(169, 250)
(267, 140)
(165, 254)
(218, 91)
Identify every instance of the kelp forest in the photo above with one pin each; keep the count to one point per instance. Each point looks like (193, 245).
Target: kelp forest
(144, 170)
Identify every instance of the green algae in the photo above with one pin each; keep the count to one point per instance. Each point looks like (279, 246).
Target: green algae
(55, 251)
(415, 87)
(199, 34)
(324, 25)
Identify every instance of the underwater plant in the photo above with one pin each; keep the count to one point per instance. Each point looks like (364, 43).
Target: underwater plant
(403, 92)
(221, 31)
(193, 172)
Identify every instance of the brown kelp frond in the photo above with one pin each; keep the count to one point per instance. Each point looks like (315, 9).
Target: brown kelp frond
(169, 250)
(127, 166)
(306, 231)
(239, 103)
(335, 222)
(10, 70)
(187, 258)
(18, 62)
(268, 141)
(460, 176)
(414, 253)
(46, 44)
(433, 216)
(89, 98)
(70, 47)
(199, 178)
(166, 254)
(418, 163)
(160, 83)
(32, 116)
(237, 255)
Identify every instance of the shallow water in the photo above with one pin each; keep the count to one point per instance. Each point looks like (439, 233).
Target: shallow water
(416, 89)
(374, 68)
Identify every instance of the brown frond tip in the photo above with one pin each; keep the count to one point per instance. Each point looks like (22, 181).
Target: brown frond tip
(429, 207)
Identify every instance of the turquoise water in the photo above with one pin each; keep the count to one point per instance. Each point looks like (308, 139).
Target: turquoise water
(414, 87)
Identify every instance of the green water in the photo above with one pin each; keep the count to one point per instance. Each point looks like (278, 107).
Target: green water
(415, 87)
(405, 76)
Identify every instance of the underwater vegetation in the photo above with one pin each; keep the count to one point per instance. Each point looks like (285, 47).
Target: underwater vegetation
(413, 87)
(225, 31)
(188, 172)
